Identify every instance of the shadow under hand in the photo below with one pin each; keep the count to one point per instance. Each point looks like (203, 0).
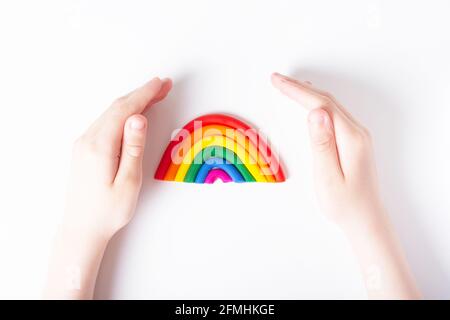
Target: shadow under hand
(163, 118)
(381, 115)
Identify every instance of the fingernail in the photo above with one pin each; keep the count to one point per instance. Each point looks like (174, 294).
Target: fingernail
(282, 77)
(137, 124)
(155, 79)
(278, 76)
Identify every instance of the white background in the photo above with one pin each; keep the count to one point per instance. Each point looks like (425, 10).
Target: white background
(63, 62)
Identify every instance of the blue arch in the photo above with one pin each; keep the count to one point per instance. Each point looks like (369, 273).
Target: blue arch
(220, 163)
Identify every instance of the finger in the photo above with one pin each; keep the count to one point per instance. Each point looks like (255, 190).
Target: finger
(290, 87)
(137, 100)
(303, 95)
(326, 158)
(312, 98)
(133, 143)
(113, 119)
(108, 129)
(165, 88)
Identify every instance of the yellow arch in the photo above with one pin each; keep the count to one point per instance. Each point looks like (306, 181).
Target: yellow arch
(237, 135)
(220, 141)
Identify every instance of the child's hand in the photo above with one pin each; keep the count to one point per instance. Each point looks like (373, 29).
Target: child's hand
(104, 187)
(347, 189)
(107, 164)
(345, 174)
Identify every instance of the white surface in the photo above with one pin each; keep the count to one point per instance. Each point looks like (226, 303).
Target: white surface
(63, 62)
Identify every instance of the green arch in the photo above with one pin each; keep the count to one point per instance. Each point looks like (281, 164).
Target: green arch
(217, 152)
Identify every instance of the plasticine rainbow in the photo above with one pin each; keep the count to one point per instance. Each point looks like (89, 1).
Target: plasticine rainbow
(219, 147)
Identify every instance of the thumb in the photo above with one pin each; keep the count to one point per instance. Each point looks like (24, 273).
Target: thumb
(323, 143)
(133, 143)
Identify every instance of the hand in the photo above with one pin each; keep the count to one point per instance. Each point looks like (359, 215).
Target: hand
(104, 186)
(347, 189)
(344, 167)
(106, 172)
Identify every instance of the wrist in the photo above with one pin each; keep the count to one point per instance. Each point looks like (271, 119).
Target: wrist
(80, 234)
(75, 262)
(385, 270)
(365, 221)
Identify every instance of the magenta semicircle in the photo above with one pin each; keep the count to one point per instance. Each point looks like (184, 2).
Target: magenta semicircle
(215, 174)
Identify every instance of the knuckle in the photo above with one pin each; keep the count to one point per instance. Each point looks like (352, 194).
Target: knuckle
(360, 139)
(328, 95)
(357, 137)
(134, 151)
(325, 102)
(322, 144)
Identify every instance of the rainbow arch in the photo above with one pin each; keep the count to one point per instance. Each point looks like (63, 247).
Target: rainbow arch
(219, 147)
